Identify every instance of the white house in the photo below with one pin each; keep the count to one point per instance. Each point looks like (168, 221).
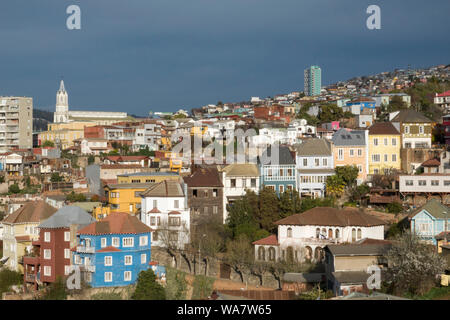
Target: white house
(93, 145)
(314, 163)
(303, 236)
(164, 208)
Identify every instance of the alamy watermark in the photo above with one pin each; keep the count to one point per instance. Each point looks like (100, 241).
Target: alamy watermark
(374, 20)
(73, 21)
(374, 280)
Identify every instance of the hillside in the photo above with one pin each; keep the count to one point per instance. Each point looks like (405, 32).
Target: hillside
(41, 118)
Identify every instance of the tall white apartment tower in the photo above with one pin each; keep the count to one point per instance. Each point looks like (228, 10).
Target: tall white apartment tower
(62, 105)
(16, 123)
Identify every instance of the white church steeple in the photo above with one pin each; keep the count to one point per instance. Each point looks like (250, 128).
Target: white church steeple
(62, 105)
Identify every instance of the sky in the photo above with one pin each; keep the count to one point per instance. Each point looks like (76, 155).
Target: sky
(162, 55)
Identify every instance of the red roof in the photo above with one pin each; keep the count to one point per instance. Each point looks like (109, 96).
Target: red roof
(174, 212)
(431, 163)
(154, 210)
(270, 240)
(116, 223)
(153, 263)
(109, 249)
(444, 94)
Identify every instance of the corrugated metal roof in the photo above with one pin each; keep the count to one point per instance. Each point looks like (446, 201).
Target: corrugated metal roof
(67, 216)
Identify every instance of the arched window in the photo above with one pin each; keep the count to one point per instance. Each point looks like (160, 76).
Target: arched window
(272, 254)
(359, 234)
(353, 234)
(337, 234)
(261, 254)
(318, 254)
(324, 232)
(317, 233)
(289, 232)
(330, 234)
(308, 253)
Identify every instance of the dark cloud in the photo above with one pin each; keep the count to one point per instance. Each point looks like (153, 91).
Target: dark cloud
(165, 54)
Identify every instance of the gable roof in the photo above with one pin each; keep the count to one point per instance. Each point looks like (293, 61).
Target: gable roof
(326, 216)
(241, 170)
(204, 177)
(344, 137)
(67, 216)
(270, 240)
(33, 211)
(383, 128)
(116, 223)
(434, 208)
(314, 147)
(284, 156)
(410, 115)
(166, 188)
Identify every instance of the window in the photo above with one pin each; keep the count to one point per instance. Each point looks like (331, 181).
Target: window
(67, 236)
(434, 182)
(317, 233)
(47, 236)
(158, 221)
(281, 189)
(261, 254)
(385, 158)
(385, 141)
(352, 152)
(108, 261)
(394, 141)
(215, 191)
(176, 204)
(143, 258)
(253, 183)
(336, 234)
(215, 209)
(128, 242)
(422, 182)
(409, 182)
(77, 259)
(155, 203)
(152, 221)
(421, 129)
(359, 152)
(155, 235)
(66, 270)
(407, 129)
(447, 183)
(353, 234)
(127, 276)
(66, 253)
(317, 162)
(289, 232)
(103, 242)
(47, 254)
(325, 161)
(108, 276)
(407, 145)
(376, 158)
(173, 236)
(394, 158)
(47, 271)
(137, 194)
(115, 242)
(244, 183)
(143, 240)
(305, 162)
(233, 183)
(359, 234)
(128, 260)
(340, 154)
(174, 221)
(375, 142)
(272, 254)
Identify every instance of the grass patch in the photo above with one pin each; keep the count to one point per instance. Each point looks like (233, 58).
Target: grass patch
(106, 296)
(176, 287)
(435, 293)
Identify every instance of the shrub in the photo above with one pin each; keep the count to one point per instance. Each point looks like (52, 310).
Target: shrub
(56, 291)
(176, 284)
(394, 207)
(202, 287)
(9, 278)
(14, 188)
(147, 288)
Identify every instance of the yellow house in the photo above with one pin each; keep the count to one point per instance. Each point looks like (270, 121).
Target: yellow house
(384, 148)
(64, 137)
(20, 228)
(147, 177)
(125, 197)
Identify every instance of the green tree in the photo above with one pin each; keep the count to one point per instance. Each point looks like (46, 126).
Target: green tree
(28, 182)
(290, 203)
(413, 265)
(394, 207)
(348, 174)
(91, 159)
(14, 188)
(48, 143)
(55, 177)
(330, 112)
(335, 186)
(147, 288)
(9, 278)
(396, 103)
(76, 197)
(308, 203)
(269, 209)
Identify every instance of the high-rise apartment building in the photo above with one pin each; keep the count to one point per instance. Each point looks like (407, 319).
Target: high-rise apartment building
(313, 81)
(16, 123)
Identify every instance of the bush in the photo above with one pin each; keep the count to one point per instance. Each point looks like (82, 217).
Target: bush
(394, 207)
(14, 188)
(56, 291)
(9, 278)
(202, 287)
(176, 284)
(147, 288)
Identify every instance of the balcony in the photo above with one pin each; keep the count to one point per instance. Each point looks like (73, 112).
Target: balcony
(31, 277)
(88, 268)
(83, 249)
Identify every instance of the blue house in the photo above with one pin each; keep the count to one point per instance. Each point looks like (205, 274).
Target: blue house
(430, 220)
(279, 174)
(362, 103)
(113, 251)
